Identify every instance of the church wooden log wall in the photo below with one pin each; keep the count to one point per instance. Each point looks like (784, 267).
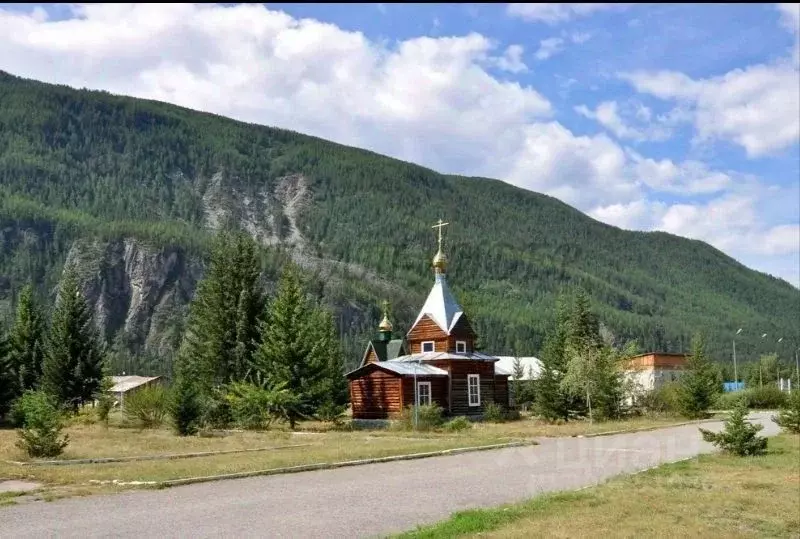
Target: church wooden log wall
(459, 391)
(372, 357)
(427, 330)
(376, 395)
(439, 386)
(501, 390)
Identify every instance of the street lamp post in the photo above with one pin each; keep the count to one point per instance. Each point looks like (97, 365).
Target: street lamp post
(735, 371)
(760, 367)
(416, 396)
(778, 366)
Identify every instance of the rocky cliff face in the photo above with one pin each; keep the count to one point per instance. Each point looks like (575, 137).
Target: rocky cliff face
(139, 293)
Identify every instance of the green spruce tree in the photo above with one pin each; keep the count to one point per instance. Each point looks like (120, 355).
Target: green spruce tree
(550, 401)
(223, 327)
(699, 385)
(788, 417)
(26, 342)
(738, 436)
(72, 370)
(295, 349)
(332, 388)
(8, 381)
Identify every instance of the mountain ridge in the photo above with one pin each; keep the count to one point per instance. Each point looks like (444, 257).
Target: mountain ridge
(94, 164)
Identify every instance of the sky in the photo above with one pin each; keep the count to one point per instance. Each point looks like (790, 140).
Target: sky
(683, 118)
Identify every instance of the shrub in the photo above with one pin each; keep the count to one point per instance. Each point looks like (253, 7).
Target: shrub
(769, 396)
(331, 412)
(458, 424)
(147, 407)
(42, 422)
(789, 416)
(664, 400)
(429, 417)
(494, 413)
(728, 401)
(738, 436)
(216, 413)
(256, 407)
(105, 400)
(184, 407)
(84, 416)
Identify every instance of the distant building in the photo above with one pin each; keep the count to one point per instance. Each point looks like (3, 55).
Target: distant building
(127, 385)
(532, 366)
(653, 370)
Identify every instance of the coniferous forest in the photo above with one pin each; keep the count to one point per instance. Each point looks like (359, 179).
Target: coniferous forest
(82, 166)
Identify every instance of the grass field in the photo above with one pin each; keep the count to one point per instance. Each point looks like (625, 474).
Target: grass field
(95, 441)
(710, 496)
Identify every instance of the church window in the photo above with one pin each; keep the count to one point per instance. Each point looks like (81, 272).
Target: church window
(423, 393)
(427, 346)
(474, 385)
(461, 347)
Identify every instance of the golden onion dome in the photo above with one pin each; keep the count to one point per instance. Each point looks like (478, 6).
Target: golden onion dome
(440, 261)
(385, 325)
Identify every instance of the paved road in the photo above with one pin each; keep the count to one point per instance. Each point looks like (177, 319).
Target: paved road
(362, 501)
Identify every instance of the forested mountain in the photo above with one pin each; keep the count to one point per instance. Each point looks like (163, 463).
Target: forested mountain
(129, 191)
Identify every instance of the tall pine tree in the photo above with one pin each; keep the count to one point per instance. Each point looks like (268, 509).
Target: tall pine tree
(550, 401)
(223, 328)
(26, 342)
(8, 381)
(72, 370)
(299, 348)
(327, 350)
(699, 384)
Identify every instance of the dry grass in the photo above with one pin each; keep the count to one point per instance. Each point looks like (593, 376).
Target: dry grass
(710, 496)
(94, 441)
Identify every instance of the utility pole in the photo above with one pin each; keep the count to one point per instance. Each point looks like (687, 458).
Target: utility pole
(735, 371)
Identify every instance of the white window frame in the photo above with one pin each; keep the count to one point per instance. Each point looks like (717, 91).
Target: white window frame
(477, 395)
(462, 345)
(419, 393)
(432, 343)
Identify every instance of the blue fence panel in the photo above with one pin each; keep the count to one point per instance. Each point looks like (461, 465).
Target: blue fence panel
(732, 386)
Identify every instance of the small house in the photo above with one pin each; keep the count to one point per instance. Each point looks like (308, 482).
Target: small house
(653, 370)
(127, 385)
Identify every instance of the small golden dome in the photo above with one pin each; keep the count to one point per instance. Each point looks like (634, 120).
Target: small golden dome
(385, 325)
(440, 261)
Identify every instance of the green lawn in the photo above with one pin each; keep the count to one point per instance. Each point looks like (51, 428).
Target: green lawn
(710, 496)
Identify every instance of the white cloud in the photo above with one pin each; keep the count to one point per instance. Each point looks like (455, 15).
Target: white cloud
(607, 114)
(548, 47)
(687, 178)
(556, 13)
(511, 60)
(580, 37)
(757, 108)
(429, 100)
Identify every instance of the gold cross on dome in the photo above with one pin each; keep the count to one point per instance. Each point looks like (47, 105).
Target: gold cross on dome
(440, 225)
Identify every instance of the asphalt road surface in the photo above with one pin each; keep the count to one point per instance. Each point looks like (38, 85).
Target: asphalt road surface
(361, 501)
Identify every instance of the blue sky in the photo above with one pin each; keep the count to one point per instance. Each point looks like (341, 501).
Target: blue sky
(676, 117)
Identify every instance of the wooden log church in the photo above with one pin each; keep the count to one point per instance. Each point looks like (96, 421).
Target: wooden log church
(437, 354)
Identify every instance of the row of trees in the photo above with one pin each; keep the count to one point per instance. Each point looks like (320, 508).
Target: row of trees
(234, 335)
(63, 358)
(580, 365)
(583, 371)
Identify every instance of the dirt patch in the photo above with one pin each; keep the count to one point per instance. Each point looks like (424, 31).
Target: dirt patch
(13, 485)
